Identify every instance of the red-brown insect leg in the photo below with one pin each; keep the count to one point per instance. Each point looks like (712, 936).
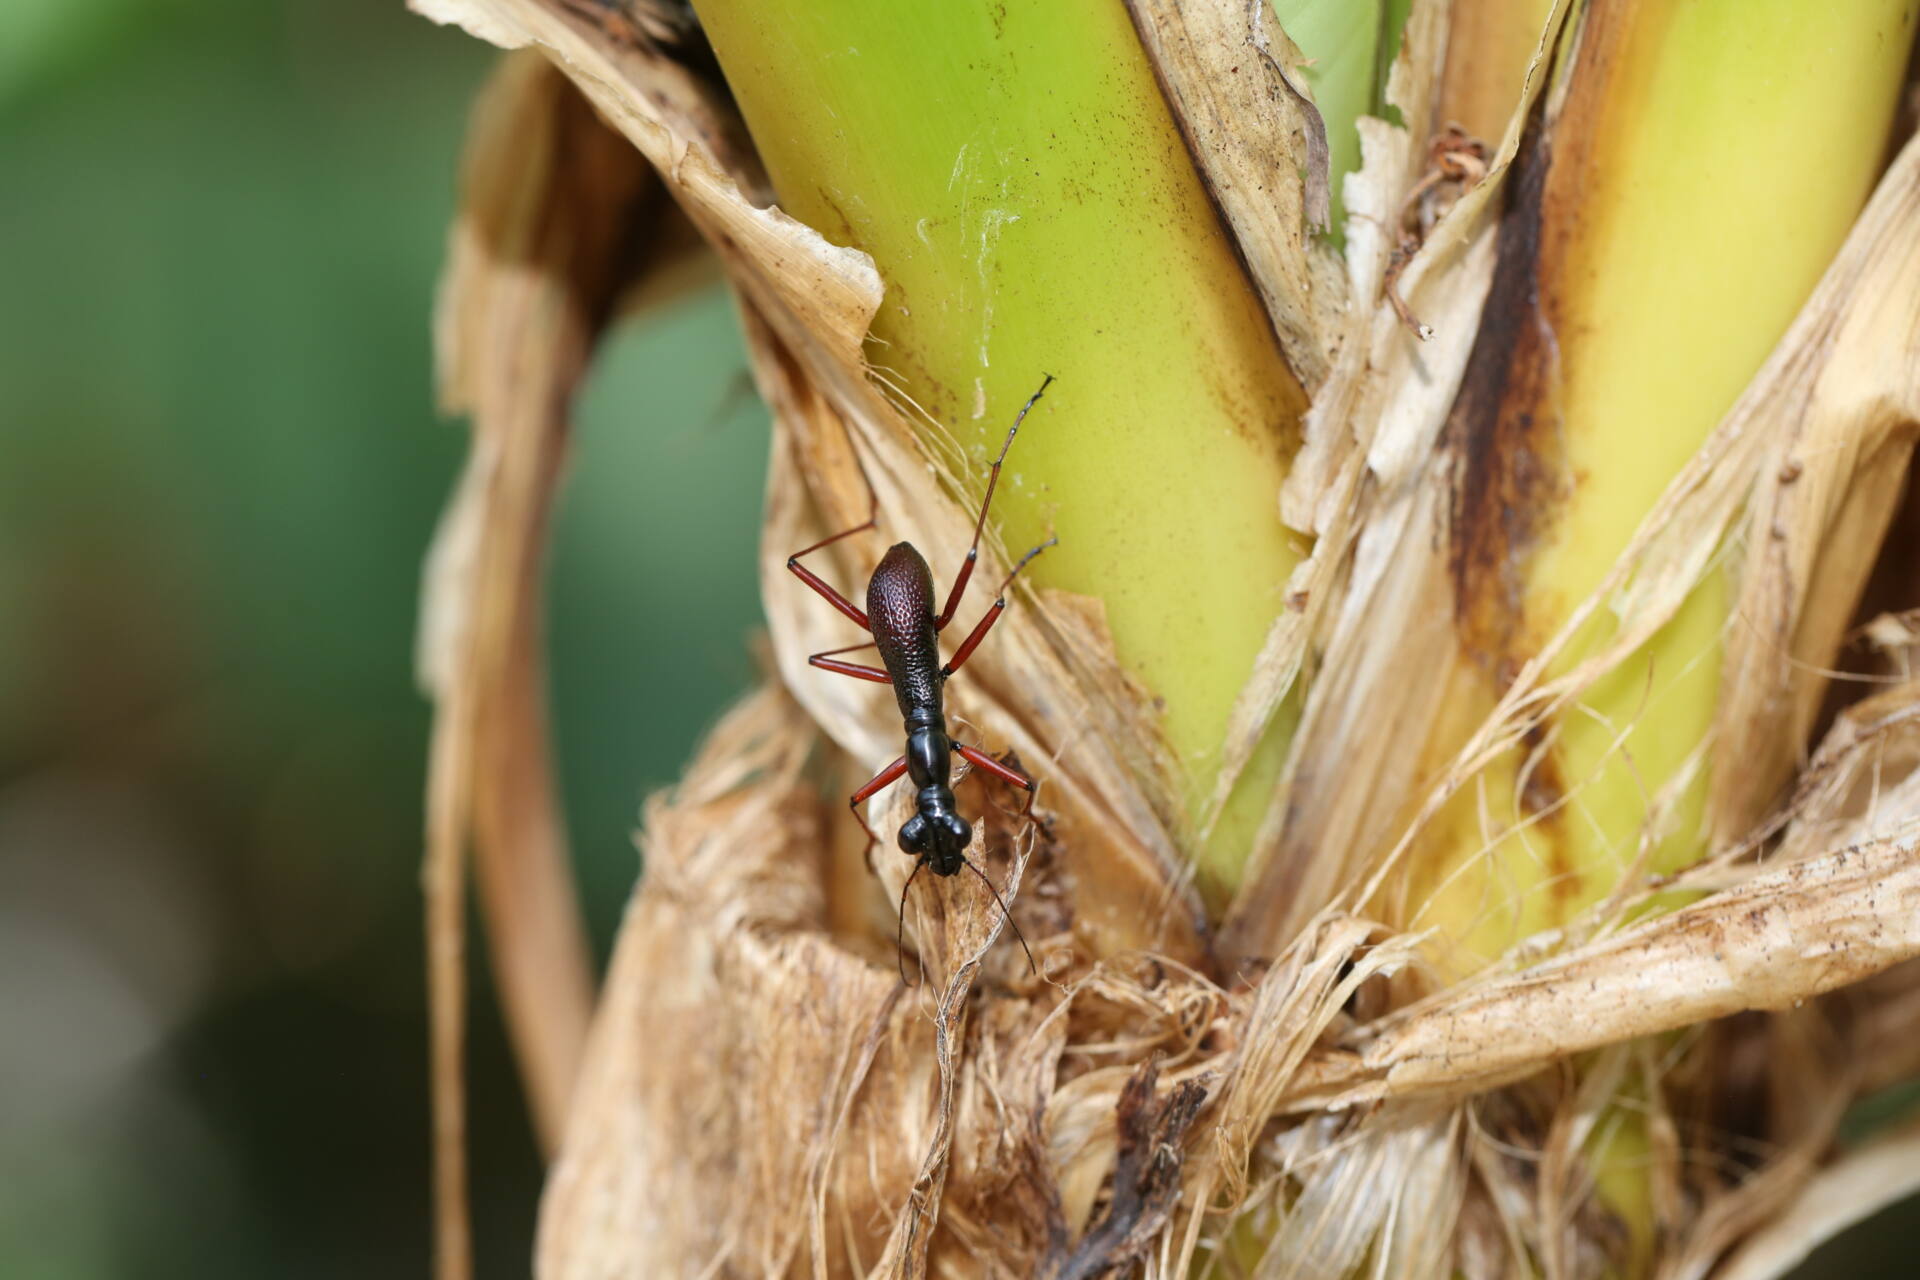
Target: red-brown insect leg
(988, 765)
(885, 778)
(972, 642)
(825, 661)
(853, 669)
(985, 624)
(813, 580)
(966, 569)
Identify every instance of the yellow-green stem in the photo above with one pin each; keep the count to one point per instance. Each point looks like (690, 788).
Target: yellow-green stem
(1015, 174)
(1673, 252)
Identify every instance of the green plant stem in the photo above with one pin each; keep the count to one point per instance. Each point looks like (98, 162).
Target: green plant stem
(1016, 175)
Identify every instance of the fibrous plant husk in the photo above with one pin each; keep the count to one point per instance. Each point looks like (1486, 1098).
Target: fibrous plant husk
(1307, 1095)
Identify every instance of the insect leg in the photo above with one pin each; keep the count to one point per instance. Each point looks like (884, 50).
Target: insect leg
(992, 615)
(825, 661)
(993, 768)
(813, 580)
(885, 778)
(980, 522)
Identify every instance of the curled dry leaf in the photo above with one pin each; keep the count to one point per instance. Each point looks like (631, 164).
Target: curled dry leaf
(1795, 932)
(551, 203)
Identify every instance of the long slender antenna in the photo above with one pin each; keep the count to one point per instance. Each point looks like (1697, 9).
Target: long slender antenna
(1008, 580)
(1003, 911)
(1046, 380)
(900, 931)
(993, 476)
(980, 521)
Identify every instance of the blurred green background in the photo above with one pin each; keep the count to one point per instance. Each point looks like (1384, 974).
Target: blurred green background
(220, 225)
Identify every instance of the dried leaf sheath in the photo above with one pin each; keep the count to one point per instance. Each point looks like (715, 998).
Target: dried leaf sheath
(805, 1068)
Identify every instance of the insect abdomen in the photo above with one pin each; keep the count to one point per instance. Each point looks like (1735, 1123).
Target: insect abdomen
(900, 611)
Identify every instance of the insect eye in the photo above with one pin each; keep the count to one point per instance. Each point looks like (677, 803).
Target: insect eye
(913, 835)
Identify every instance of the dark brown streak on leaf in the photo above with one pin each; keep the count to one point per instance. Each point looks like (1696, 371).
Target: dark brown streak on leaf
(1503, 432)
(1146, 1178)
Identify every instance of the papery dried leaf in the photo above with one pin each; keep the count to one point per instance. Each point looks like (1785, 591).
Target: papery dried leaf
(550, 198)
(680, 124)
(792, 1054)
(1389, 1190)
(1489, 44)
(1833, 472)
(1787, 935)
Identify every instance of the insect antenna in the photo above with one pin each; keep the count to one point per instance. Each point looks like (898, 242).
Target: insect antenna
(1003, 911)
(1008, 581)
(900, 930)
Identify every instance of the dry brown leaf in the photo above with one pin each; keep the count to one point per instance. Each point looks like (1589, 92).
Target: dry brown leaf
(793, 1054)
(813, 1071)
(1785, 936)
(550, 198)
(1828, 484)
(1489, 44)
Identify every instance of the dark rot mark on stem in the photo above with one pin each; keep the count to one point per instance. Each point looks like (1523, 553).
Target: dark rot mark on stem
(1503, 432)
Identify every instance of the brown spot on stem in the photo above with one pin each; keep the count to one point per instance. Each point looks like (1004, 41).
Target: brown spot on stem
(1511, 476)
(1503, 431)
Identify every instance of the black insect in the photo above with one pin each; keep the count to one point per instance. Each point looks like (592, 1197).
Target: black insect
(906, 631)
